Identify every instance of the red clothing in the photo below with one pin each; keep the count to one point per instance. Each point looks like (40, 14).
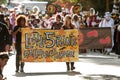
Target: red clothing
(92, 19)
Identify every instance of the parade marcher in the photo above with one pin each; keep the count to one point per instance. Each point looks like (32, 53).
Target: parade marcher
(93, 21)
(117, 46)
(57, 24)
(10, 30)
(4, 34)
(4, 44)
(21, 23)
(108, 22)
(3, 61)
(13, 23)
(76, 21)
(46, 22)
(90, 18)
(116, 23)
(34, 23)
(12, 19)
(68, 25)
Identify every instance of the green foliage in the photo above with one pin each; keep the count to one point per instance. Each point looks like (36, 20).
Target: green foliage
(2, 1)
(75, 1)
(99, 5)
(60, 0)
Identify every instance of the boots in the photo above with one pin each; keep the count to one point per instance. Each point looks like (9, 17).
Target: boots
(17, 70)
(22, 66)
(70, 66)
(19, 66)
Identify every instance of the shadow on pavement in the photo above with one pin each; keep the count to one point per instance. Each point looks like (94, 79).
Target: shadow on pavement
(73, 73)
(113, 62)
(100, 59)
(100, 77)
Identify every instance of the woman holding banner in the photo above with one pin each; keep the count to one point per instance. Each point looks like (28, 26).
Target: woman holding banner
(21, 21)
(68, 25)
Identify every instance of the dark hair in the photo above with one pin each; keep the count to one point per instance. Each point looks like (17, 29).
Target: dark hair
(75, 18)
(58, 16)
(2, 16)
(20, 19)
(4, 56)
(36, 20)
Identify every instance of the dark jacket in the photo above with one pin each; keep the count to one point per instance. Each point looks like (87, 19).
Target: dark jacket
(4, 36)
(18, 40)
(117, 44)
(56, 26)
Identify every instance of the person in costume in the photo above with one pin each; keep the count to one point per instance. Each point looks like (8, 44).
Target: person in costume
(108, 22)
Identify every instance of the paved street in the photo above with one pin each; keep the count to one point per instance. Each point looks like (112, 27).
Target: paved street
(91, 66)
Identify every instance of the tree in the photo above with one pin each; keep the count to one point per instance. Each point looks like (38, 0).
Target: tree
(2, 1)
(99, 5)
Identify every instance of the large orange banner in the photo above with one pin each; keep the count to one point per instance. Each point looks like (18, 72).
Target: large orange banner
(49, 45)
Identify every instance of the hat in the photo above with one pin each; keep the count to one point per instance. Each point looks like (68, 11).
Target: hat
(107, 14)
(4, 56)
(92, 11)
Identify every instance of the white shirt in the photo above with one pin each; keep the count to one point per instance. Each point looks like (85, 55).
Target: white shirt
(109, 23)
(76, 24)
(105, 23)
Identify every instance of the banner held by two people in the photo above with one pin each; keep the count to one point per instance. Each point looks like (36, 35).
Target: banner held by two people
(49, 45)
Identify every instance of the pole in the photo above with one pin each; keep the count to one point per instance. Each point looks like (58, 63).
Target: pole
(107, 5)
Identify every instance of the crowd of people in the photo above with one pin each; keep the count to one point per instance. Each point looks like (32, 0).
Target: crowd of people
(10, 29)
